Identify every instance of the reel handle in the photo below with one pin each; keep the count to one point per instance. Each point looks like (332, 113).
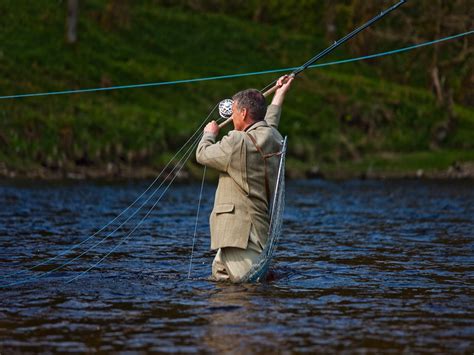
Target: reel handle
(266, 94)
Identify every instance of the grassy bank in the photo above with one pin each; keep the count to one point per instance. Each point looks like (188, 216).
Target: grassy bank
(341, 120)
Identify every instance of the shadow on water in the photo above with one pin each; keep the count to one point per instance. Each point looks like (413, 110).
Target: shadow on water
(379, 266)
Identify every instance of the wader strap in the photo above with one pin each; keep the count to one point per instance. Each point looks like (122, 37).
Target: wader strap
(264, 157)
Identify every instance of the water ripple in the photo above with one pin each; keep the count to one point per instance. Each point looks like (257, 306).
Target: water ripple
(363, 266)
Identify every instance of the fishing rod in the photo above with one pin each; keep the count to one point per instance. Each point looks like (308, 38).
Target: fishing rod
(225, 106)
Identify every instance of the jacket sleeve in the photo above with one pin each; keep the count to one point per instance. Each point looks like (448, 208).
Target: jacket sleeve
(273, 115)
(216, 155)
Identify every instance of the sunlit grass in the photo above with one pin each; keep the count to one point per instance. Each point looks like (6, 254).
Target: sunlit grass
(334, 116)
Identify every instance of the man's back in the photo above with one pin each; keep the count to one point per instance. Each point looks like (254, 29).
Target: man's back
(248, 165)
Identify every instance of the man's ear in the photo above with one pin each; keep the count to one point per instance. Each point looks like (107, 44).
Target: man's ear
(245, 113)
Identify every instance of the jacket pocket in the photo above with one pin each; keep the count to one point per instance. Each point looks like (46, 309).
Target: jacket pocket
(224, 208)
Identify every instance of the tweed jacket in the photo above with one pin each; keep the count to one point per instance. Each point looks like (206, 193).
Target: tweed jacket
(241, 198)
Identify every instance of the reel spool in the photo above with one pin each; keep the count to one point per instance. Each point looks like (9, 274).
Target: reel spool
(225, 108)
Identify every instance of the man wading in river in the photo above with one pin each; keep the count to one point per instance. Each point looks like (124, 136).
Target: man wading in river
(247, 159)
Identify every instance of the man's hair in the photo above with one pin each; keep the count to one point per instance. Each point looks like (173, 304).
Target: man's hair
(253, 101)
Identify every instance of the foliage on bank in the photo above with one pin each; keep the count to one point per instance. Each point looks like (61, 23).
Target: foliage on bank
(346, 113)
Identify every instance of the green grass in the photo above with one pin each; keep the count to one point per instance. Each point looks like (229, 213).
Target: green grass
(335, 117)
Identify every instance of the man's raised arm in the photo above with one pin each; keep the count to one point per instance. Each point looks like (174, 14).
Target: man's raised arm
(274, 109)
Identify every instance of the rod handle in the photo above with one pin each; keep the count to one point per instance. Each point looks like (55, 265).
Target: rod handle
(270, 91)
(225, 123)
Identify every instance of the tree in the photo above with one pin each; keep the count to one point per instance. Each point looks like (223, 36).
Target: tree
(445, 65)
(71, 23)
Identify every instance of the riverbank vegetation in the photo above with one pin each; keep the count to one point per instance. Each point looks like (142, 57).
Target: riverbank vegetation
(395, 115)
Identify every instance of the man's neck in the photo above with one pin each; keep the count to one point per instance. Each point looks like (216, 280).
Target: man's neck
(247, 127)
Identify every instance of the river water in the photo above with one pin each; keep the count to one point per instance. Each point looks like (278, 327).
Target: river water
(362, 266)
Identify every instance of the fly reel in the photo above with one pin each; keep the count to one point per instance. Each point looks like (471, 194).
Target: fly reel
(225, 108)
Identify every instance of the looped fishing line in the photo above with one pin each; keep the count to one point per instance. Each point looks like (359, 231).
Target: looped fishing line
(187, 154)
(193, 146)
(139, 223)
(119, 215)
(35, 277)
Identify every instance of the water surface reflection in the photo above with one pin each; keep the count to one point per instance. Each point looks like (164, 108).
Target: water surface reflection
(362, 266)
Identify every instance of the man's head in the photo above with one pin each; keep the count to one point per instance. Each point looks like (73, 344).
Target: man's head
(249, 107)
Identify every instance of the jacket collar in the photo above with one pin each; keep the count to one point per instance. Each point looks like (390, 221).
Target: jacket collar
(256, 125)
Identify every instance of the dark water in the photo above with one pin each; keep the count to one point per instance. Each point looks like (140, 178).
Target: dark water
(363, 266)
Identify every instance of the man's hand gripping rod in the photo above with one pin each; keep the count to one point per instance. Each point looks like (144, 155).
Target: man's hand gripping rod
(323, 54)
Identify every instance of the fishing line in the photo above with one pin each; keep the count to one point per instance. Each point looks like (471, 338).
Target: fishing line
(192, 148)
(139, 223)
(123, 212)
(233, 76)
(196, 223)
(32, 278)
(181, 161)
(187, 154)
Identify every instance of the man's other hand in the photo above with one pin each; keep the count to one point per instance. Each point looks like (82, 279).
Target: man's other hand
(284, 83)
(212, 127)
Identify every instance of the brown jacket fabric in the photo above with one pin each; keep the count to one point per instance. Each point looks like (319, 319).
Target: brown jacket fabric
(241, 198)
